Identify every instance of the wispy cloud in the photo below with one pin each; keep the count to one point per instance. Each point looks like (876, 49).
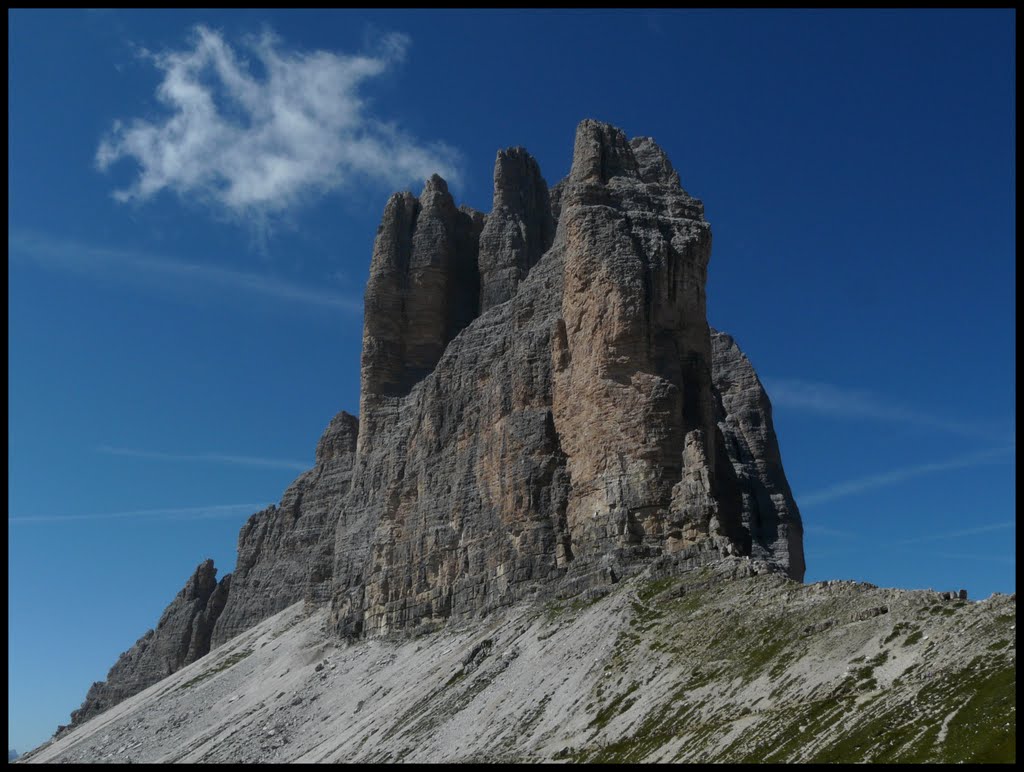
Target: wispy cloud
(986, 558)
(133, 265)
(862, 484)
(256, 140)
(214, 458)
(176, 513)
(959, 534)
(827, 399)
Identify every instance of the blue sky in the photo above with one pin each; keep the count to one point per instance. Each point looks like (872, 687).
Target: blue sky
(193, 201)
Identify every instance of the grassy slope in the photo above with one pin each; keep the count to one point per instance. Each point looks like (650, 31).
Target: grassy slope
(690, 668)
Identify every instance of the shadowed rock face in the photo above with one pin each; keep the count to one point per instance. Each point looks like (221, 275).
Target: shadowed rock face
(181, 637)
(544, 410)
(519, 228)
(286, 552)
(744, 416)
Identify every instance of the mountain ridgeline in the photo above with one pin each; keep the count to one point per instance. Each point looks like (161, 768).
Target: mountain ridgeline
(544, 411)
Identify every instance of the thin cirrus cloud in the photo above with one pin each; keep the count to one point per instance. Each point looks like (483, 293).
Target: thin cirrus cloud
(1003, 526)
(955, 534)
(174, 513)
(165, 273)
(214, 458)
(870, 482)
(257, 145)
(827, 399)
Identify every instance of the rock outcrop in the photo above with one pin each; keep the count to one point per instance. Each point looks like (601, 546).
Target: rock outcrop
(181, 637)
(744, 417)
(286, 552)
(544, 411)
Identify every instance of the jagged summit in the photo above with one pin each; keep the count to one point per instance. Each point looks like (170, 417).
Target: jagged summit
(544, 411)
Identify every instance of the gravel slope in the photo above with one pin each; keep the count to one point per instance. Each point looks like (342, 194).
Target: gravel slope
(695, 667)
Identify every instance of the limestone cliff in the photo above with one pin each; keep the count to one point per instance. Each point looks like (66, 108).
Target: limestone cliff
(544, 411)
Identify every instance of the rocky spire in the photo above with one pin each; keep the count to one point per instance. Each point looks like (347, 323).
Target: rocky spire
(744, 415)
(652, 163)
(600, 153)
(519, 229)
(423, 289)
(633, 399)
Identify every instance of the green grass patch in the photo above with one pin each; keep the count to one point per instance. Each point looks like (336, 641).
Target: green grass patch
(620, 704)
(898, 629)
(651, 589)
(985, 728)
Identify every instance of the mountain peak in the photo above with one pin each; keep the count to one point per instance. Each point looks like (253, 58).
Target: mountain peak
(544, 411)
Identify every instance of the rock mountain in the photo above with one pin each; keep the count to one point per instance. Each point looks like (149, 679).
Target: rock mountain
(544, 412)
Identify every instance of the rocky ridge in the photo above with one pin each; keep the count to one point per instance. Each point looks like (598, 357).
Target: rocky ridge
(544, 412)
(182, 636)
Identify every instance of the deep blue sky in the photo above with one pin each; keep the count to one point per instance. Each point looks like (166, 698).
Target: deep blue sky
(176, 351)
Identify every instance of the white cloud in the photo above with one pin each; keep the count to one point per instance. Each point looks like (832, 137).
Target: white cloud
(259, 140)
(168, 274)
(214, 458)
(826, 399)
(862, 484)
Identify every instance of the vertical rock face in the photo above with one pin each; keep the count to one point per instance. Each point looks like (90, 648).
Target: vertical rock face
(544, 408)
(458, 502)
(633, 396)
(745, 419)
(181, 637)
(286, 552)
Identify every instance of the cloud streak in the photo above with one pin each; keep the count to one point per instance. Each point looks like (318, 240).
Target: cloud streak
(188, 277)
(215, 458)
(256, 140)
(176, 513)
(1003, 526)
(871, 482)
(827, 399)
